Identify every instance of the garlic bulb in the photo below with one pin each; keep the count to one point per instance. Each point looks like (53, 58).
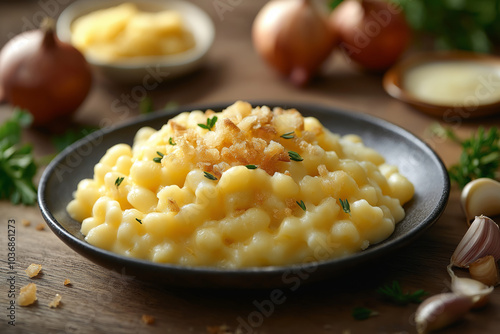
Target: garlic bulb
(481, 239)
(441, 310)
(485, 270)
(481, 197)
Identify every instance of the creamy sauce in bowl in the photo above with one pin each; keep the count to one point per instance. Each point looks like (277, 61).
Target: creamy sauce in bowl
(454, 83)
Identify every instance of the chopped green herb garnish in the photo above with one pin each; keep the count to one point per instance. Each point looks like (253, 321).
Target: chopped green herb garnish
(301, 204)
(140, 221)
(17, 163)
(210, 176)
(345, 205)
(251, 166)
(395, 294)
(158, 159)
(119, 181)
(288, 135)
(210, 123)
(171, 141)
(294, 156)
(362, 313)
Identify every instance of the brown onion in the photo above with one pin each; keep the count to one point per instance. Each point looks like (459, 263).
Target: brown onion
(40, 73)
(293, 36)
(373, 33)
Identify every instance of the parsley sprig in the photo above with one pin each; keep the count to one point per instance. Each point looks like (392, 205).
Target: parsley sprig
(480, 154)
(301, 204)
(17, 164)
(395, 294)
(480, 157)
(71, 136)
(362, 313)
(210, 123)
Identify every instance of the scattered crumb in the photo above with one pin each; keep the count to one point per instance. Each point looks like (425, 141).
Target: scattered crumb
(27, 296)
(25, 222)
(33, 270)
(148, 319)
(55, 302)
(40, 227)
(67, 282)
(223, 329)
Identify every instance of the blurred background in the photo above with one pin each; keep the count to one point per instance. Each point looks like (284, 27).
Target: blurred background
(236, 70)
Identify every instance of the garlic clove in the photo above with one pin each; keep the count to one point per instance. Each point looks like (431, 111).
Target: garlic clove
(481, 197)
(476, 290)
(485, 270)
(441, 310)
(481, 239)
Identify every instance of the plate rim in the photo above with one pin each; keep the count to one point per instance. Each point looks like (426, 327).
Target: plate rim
(351, 260)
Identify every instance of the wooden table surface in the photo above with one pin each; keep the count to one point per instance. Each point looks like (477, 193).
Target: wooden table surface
(101, 301)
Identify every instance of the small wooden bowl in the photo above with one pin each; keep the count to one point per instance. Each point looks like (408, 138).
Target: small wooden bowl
(394, 79)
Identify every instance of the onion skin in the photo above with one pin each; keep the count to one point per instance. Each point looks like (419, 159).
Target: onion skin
(293, 37)
(40, 73)
(373, 33)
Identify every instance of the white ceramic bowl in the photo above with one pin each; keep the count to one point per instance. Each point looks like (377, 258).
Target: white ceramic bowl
(138, 69)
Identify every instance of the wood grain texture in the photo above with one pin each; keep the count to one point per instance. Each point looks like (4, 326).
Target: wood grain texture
(101, 301)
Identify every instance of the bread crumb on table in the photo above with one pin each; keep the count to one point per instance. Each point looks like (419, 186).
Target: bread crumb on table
(56, 301)
(148, 319)
(33, 270)
(40, 227)
(25, 222)
(67, 282)
(27, 296)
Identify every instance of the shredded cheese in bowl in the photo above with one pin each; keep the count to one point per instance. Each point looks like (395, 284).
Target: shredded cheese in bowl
(239, 188)
(124, 32)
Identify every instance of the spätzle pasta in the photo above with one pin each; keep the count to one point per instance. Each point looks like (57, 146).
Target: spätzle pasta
(261, 187)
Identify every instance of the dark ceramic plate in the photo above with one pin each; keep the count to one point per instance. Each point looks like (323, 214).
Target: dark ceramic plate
(413, 157)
